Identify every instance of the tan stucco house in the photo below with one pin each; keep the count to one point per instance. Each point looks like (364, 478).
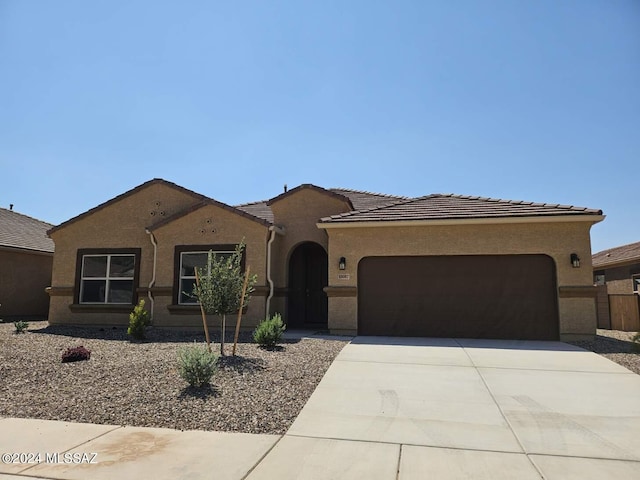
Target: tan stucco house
(337, 259)
(26, 259)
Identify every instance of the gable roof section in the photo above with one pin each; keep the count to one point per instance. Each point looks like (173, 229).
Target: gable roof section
(204, 203)
(359, 200)
(308, 186)
(23, 232)
(456, 207)
(122, 196)
(618, 255)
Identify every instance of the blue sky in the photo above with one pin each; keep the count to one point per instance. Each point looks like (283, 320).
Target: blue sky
(529, 100)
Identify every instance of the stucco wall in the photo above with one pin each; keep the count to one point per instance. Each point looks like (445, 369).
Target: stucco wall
(23, 279)
(558, 240)
(209, 225)
(119, 225)
(298, 213)
(619, 279)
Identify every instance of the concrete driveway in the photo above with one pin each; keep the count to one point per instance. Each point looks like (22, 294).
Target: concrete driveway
(449, 409)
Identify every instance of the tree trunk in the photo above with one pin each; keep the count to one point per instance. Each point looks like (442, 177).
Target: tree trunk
(223, 328)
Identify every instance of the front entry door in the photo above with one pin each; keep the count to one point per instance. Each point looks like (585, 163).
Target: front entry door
(307, 278)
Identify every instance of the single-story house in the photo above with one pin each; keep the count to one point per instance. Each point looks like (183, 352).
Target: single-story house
(337, 259)
(26, 260)
(618, 268)
(616, 272)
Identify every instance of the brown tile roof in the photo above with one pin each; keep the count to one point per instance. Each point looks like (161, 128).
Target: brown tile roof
(367, 200)
(449, 206)
(23, 232)
(359, 200)
(613, 256)
(257, 209)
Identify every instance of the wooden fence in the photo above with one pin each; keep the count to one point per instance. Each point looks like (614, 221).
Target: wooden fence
(624, 312)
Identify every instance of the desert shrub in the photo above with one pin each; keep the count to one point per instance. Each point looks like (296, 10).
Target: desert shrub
(197, 365)
(138, 319)
(636, 342)
(269, 331)
(21, 326)
(76, 354)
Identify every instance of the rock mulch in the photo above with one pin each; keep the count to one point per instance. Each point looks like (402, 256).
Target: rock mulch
(137, 384)
(616, 346)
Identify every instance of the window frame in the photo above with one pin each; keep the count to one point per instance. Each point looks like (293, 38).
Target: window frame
(108, 252)
(599, 277)
(177, 268)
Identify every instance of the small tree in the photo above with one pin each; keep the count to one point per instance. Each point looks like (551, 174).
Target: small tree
(219, 286)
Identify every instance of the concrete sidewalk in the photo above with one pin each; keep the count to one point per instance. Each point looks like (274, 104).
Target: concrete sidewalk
(388, 408)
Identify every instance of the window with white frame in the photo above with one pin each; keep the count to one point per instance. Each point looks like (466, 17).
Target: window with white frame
(107, 278)
(189, 261)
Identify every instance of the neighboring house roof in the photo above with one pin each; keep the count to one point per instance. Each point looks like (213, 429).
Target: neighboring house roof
(23, 232)
(614, 256)
(452, 207)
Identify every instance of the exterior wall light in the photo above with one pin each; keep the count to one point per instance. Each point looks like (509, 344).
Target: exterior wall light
(575, 260)
(342, 264)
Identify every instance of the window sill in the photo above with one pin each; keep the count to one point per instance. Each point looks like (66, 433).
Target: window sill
(100, 308)
(184, 309)
(190, 310)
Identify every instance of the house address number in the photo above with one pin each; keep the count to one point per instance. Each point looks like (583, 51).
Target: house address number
(344, 276)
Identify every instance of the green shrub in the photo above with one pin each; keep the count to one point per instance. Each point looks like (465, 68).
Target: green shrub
(138, 319)
(197, 365)
(21, 326)
(269, 332)
(636, 342)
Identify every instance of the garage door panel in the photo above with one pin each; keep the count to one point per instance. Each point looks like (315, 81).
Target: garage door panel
(478, 296)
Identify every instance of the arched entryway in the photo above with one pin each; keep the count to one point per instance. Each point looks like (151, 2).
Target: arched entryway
(307, 305)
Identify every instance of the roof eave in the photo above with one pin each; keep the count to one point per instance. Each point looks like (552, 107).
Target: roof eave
(34, 251)
(616, 263)
(462, 221)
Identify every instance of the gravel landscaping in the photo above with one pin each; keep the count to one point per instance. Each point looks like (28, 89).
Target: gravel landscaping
(137, 383)
(616, 346)
(128, 383)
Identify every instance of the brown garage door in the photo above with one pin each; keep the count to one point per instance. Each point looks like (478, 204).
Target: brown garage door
(467, 296)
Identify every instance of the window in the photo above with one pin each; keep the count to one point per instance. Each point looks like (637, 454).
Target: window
(189, 260)
(107, 278)
(599, 278)
(636, 282)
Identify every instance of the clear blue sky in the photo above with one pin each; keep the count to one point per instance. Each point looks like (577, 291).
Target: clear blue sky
(520, 99)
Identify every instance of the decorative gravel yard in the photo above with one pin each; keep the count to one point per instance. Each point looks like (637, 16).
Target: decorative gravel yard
(129, 383)
(137, 383)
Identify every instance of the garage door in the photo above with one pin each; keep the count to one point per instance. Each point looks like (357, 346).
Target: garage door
(469, 296)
